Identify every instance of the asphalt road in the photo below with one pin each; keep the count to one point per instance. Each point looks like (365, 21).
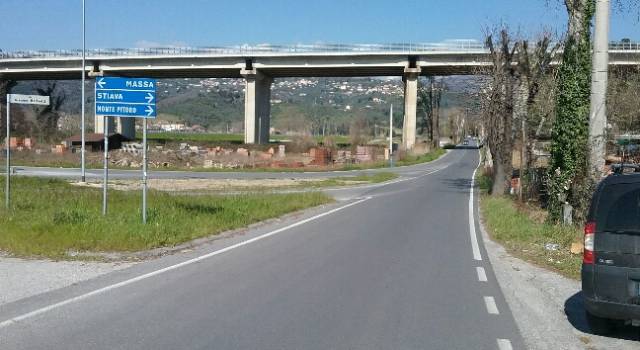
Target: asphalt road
(96, 174)
(393, 268)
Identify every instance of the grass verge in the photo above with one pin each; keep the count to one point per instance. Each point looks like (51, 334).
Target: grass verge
(51, 218)
(523, 232)
(423, 158)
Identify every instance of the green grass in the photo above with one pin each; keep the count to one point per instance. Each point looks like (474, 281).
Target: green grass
(423, 158)
(49, 218)
(522, 235)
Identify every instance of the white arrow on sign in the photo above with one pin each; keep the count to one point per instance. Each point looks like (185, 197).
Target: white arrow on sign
(149, 110)
(100, 82)
(149, 97)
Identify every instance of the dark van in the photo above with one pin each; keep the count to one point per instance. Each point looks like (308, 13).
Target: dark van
(611, 260)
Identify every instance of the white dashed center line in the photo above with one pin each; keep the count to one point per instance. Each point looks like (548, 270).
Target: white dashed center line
(492, 308)
(482, 275)
(504, 344)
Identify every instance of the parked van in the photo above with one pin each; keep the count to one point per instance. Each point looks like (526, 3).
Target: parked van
(611, 260)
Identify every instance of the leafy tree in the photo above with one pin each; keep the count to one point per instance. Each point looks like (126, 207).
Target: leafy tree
(567, 177)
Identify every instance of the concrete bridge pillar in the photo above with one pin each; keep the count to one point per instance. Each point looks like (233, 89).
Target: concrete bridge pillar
(410, 80)
(124, 126)
(257, 106)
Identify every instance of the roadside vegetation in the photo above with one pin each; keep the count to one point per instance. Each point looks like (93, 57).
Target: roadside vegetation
(423, 158)
(51, 218)
(535, 119)
(523, 229)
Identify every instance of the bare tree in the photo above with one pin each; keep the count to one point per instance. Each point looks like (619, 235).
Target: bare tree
(499, 108)
(5, 88)
(430, 95)
(49, 116)
(532, 68)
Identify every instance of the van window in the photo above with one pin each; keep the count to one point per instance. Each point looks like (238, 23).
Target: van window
(618, 209)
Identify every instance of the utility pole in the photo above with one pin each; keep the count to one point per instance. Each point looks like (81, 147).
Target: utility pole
(598, 112)
(82, 126)
(391, 136)
(7, 189)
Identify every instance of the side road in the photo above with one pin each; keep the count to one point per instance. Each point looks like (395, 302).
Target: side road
(548, 307)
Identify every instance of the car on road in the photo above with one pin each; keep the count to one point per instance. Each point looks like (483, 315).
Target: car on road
(611, 258)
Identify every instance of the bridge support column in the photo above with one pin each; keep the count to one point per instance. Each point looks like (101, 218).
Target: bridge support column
(124, 126)
(257, 106)
(98, 125)
(410, 80)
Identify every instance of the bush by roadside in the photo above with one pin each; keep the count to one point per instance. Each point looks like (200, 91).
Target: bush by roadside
(522, 230)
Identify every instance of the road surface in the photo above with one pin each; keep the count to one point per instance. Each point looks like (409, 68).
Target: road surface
(396, 267)
(120, 174)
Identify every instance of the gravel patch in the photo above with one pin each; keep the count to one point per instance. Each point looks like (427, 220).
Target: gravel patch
(22, 278)
(548, 307)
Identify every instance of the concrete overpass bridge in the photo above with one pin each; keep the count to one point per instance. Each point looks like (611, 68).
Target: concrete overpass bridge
(259, 65)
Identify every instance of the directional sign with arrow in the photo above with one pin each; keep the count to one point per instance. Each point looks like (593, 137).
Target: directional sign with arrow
(126, 97)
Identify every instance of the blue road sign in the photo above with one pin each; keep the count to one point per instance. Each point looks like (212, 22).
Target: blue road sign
(126, 97)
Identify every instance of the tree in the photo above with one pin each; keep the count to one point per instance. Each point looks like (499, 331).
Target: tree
(5, 88)
(567, 178)
(429, 98)
(533, 67)
(48, 117)
(499, 108)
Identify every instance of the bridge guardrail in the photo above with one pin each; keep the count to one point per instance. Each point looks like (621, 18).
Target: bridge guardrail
(455, 45)
(408, 48)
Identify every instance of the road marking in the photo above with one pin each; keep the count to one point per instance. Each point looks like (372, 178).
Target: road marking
(492, 308)
(472, 225)
(504, 344)
(482, 275)
(172, 267)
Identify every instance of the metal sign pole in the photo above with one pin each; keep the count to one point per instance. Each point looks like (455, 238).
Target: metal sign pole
(82, 125)
(144, 170)
(7, 188)
(391, 136)
(105, 122)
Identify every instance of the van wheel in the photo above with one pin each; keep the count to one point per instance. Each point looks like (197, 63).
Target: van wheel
(599, 325)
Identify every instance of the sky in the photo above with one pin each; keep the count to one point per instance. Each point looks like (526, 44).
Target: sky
(57, 24)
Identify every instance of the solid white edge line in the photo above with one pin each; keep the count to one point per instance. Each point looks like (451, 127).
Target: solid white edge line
(172, 267)
(504, 344)
(492, 308)
(472, 225)
(482, 275)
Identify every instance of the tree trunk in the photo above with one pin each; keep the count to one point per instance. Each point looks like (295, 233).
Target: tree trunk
(435, 123)
(499, 186)
(576, 9)
(521, 96)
